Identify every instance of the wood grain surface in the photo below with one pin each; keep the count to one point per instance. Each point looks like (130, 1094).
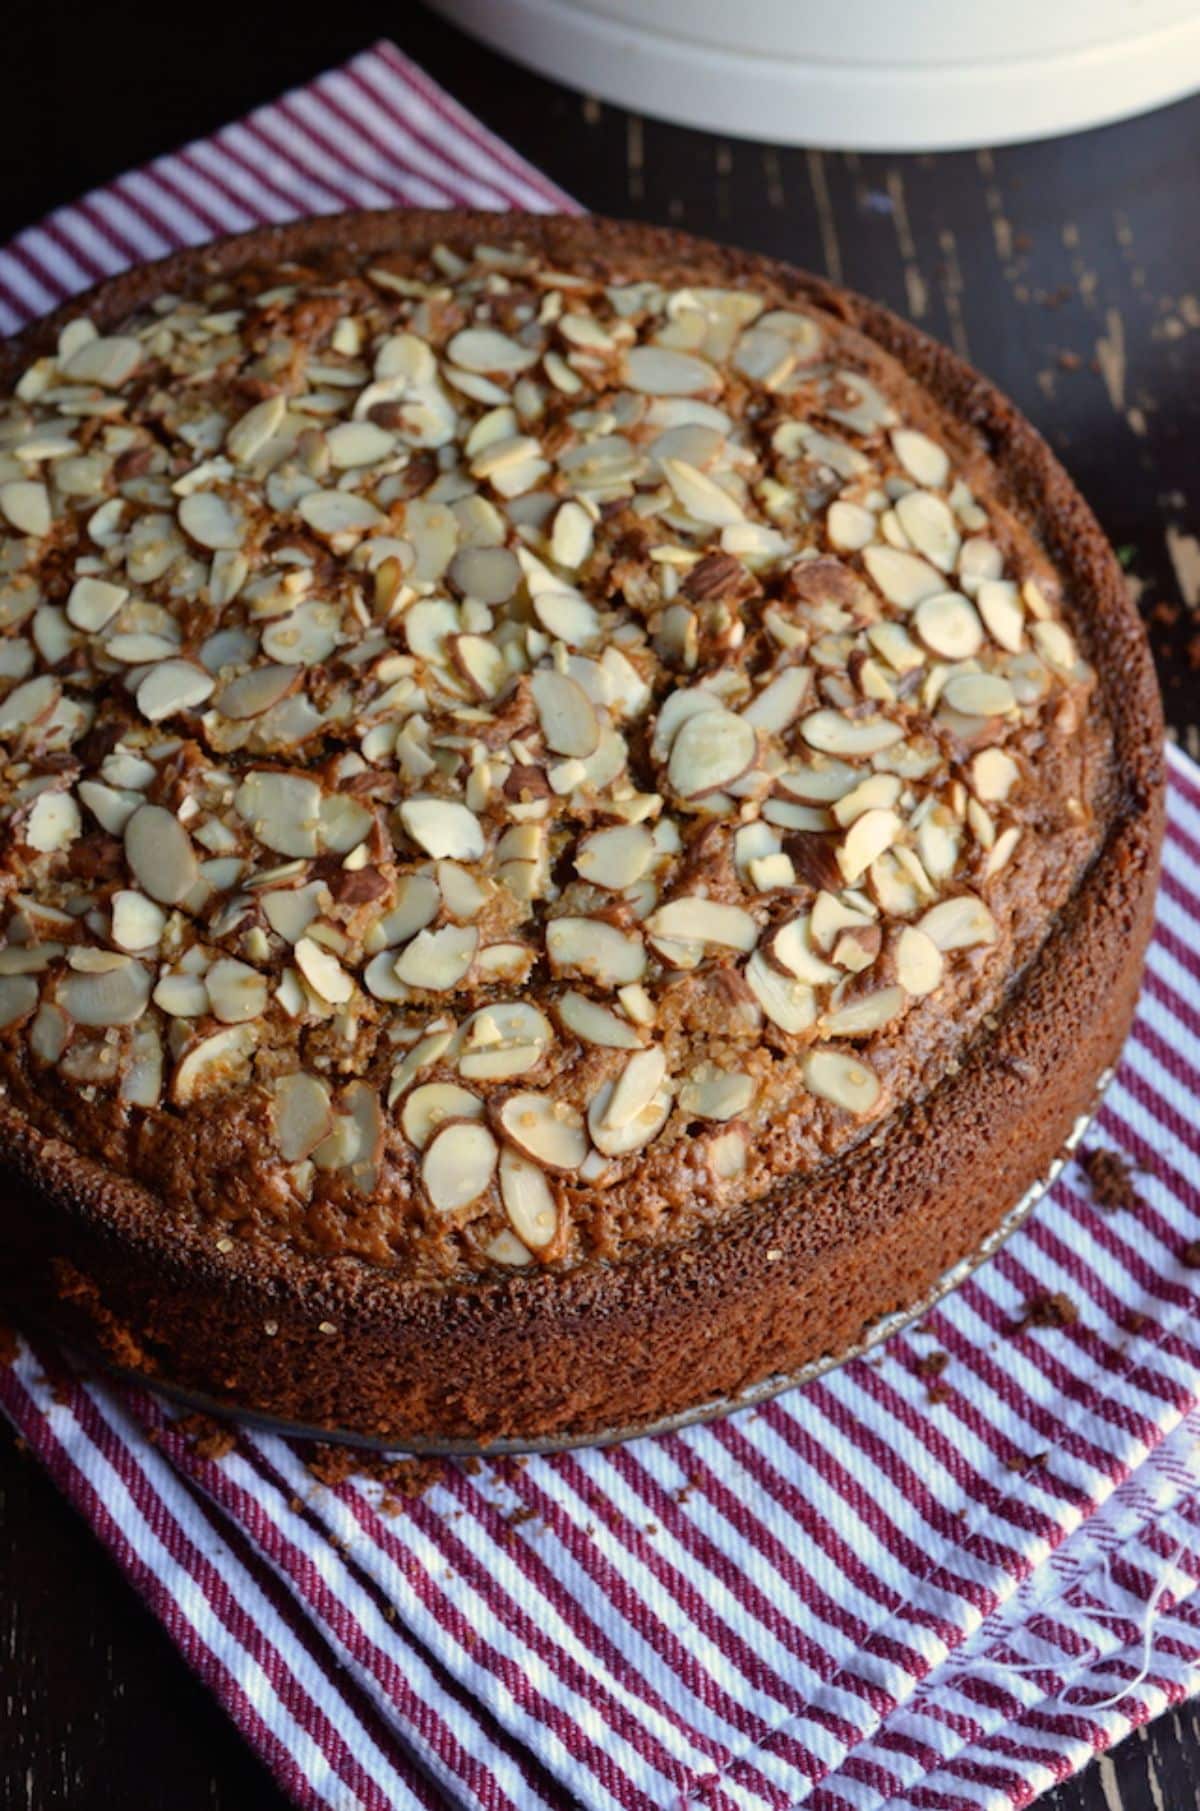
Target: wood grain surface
(1068, 271)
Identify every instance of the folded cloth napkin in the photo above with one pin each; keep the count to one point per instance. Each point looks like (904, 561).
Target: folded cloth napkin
(942, 1576)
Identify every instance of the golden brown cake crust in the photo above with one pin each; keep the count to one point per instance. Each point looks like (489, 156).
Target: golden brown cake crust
(764, 1288)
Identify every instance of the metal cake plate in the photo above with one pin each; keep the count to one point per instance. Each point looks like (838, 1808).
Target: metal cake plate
(198, 1402)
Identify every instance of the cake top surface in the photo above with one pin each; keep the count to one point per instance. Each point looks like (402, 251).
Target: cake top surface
(501, 764)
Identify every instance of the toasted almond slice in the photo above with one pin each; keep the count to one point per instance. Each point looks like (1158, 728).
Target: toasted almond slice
(160, 854)
(844, 1081)
(791, 948)
(444, 828)
(25, 504)
(339, 512)
(903, 578)
(29, 704)
(635, 1087)
(633, 1134)
(171, 686)
(592, 1023)
(659, 371)
(215, 1063)
(877, 790)
(1055, 645)
(959, 923)
(691, 918)
(701, 496)
(979, 694)
(714, 1093)
(568, 721)
(780, 702)
(182, 996)
(236, 992)
(924, 461)
(591, 947)
(211, 521)
(1001, 851)
(458, 1166)
(528, 1200)
(930, 526)
(431, 1105)
(137, 922)
(303, 1114)
(919, 962)
(870, 1012)
(491, 574)
(549, 1131)
(18, 998)
(282, 809)
(93, 603)
(354, 443)
(506, 1248)
(572, 535)
(615, 858)
(258, 690)
(790, 1004)
(867, 838)
(832, 733)
(486, 351)
(108, 360)
(831, 916)
(949, 625)
(999, 604)
(711, 750)
(323, 972)
(481, 662)
(727, 1154)
(994, 773)
(251, 431)
(438, 960)
(54, 822)
(502, 1040)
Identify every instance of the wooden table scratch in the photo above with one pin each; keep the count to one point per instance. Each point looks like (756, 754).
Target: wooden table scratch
(1068, 271)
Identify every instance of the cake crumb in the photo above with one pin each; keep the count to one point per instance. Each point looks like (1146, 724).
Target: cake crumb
(1056, 1310)
(1110, 1178)
(207, 1438)
(1189, 1257)
(403, 1479)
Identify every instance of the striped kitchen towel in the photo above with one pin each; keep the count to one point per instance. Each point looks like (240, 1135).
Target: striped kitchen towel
(942, 1576)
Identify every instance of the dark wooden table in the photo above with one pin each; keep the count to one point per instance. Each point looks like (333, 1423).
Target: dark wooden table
(1069, 272)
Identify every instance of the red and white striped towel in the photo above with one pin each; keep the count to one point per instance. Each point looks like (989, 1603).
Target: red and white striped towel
(853, 1598)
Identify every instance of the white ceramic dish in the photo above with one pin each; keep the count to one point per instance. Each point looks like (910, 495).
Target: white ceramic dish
(862, 74)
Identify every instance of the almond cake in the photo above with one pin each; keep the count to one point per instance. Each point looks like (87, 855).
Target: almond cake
(580, 815)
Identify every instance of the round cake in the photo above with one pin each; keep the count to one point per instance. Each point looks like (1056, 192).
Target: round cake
(580, 817)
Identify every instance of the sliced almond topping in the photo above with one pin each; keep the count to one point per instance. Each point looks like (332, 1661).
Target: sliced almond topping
(994, 773)
(659, 371)
(93, 603)
(635, 1087)
(25, 503)
(727, 1154)
(303, 1114)
(903, 578)
(528, 1200)
(352, 443)
(834, 734)
(845, 1081)
(29, 704)
(282, 809)
(1055, 645)
(18, 998)
(491, 574)
(959, 923)
(792, 949)
(437, 960)
(870, 1012)
(866, 839)
(632, 1134)
(979, 694)
(251, 432)
(54, 822)
(565, 711)
(323, 972)
(213, 1065)
(506, 1248)
(338, 512)
(572, 535)
(137, 922)
(484, 350)
(211, 520)
(592, 1023)
(693, 919)
(503, 1040)
(712, 749)
(930, 526)
(918, 962)
(459, 1165)
(171, 686)
(948, 624)
(924, 461)
(701, 496)
(589, 946)
(444, 828)
(109, 361)
(160, 854)
(548, 1131)
(879, 789)
(615, 858)
(714, 1093)
(999, 604)
(259, 690)
(790, 1004)
(431, 1105)
(780, 702)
